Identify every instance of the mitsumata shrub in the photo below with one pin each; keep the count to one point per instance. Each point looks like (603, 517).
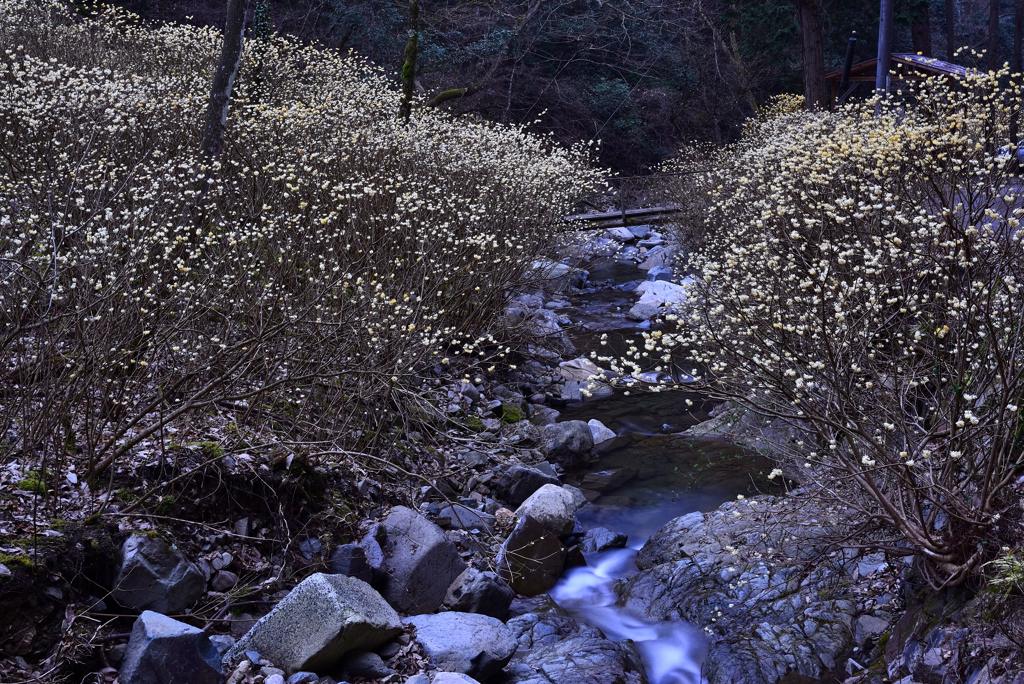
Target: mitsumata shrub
(329, 256)
(861, 278)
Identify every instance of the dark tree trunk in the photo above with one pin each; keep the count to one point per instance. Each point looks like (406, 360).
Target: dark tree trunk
(409, 67)
(993, 35)
(1018, 35)
(884, 52)
(224, 80)
(809, 15)
(951, 45)
(921, 31)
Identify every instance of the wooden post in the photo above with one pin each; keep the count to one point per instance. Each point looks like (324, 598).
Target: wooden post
(884, 53)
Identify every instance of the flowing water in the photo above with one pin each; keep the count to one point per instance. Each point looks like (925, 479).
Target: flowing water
(646, 476)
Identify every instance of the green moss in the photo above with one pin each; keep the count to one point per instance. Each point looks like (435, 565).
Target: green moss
(14, 561)
(126, 495)
(210, 449)
(474, 424)
(33, 483)
(510, 414)
(165, 505)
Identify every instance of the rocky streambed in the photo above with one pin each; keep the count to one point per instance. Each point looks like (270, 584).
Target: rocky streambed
(592, 537)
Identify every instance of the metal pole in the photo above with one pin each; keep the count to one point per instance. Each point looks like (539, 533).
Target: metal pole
(851, 45)
(884, 53)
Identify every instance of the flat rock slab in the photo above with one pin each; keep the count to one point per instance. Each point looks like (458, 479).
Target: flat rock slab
(165, 651)
(476, 645)
(531, 559)
(321, 620)
(154, 577)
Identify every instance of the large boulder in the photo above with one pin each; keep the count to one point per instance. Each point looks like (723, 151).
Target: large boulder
(154, 577)
(482, 592)
(599, 431)
(350, 560)
(321, 620)
(531, 559)
(465, 518)
(555, 649)
(415, 561)
(553, 507)
(518, 482)
(569, 444)
(601, 539)
(476, 645)
(165, 651)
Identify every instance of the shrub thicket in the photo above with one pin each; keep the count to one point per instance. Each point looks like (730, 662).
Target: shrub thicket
(861, 279)
(314, 271)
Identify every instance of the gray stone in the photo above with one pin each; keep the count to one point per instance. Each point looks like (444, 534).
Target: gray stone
(222, 642)
(607, 480)
(642, 232)
(641, 311)
(321, 620)
(350, 560)
(531, 559)
(420, 678)
(303, 678)
(365, 664)
(274, 679)
(601, 539)
(223, 580)
(417, 562)
(465, 518)
(452, 678)
(660, 273)
(153, 577)
(477, 645)
(599, 431)
(551, 506)
(165, 651)
(543, 415)
(482, 592)
(620, 234)
(116, 654)
(569, 444)
(517, 483)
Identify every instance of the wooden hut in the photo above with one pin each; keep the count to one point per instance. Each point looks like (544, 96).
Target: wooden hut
(904, 67)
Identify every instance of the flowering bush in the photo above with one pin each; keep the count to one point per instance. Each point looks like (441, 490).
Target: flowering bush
(861, 279)
(311, 274)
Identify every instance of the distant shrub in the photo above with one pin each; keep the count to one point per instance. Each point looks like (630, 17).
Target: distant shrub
(861, 279)
(313, 273)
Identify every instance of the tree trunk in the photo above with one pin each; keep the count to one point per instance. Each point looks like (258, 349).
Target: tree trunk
(809, 15)
(224, 80)
(409, 67)
(993, 35)
(1018, 35)
(951, 45)
(921, 31)
(884, 52)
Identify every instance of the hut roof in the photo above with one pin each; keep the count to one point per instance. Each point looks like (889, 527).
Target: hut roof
(906, 65)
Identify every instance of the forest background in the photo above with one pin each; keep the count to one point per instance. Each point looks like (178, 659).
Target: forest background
(644, 77)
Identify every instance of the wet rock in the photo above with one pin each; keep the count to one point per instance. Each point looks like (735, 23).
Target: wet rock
(607, 480)
(531, 559)
(153, 577)
(569, 444)
(417, 561)
(599, 431)
(715, 571)
(350, 560)
(579, 369)
(555, 649)
(165, 651)
(553, 507)
(659, 256)
(660, 273)
(641, 232)
(321, 620)
(464, 518)
(543, 415)
(601, 539)
(482, 592)
(641, 311)
(517, 483)
(476, 645)
(365, 664)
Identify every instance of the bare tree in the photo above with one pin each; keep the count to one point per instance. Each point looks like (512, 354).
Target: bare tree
(993, 34)
(409, 67)
(224, 80)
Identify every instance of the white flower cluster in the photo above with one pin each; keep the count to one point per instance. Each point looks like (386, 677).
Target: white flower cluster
(860, 279)
(332, 252)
